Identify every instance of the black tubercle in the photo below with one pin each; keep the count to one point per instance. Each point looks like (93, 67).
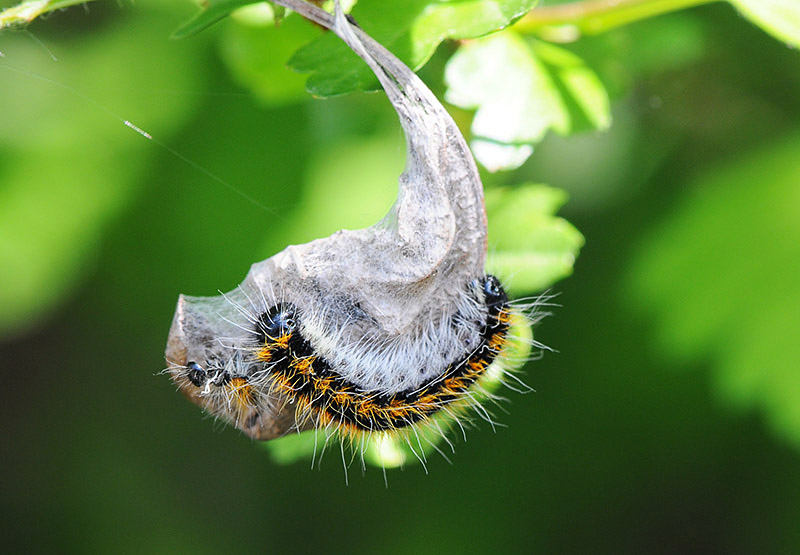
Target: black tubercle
(493, 291)
(277, 321)
(195, 373)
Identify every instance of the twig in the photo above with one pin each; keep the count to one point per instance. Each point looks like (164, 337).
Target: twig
(591, 17)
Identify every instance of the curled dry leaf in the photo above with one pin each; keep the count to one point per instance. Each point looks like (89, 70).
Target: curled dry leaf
(384, 312)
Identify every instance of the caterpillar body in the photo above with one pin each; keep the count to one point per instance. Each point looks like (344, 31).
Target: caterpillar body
(281, 362)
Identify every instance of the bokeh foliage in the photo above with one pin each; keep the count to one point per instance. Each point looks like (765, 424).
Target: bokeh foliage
(668, 421)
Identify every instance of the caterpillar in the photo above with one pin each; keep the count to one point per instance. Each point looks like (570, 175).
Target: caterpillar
(282, 361)
(370, 333)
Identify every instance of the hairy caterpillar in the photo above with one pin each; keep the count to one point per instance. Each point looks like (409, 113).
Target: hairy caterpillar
(366, 333)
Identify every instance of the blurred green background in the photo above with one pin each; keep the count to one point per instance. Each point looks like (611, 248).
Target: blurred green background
(667, 422)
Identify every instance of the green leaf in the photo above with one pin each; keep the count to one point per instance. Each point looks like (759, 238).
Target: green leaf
(295, 447)
(580, 85)
(529, 246)
(388, 450)
(259, 15)
(212, 12)
(516, 100)
(720, 280)
(520, 93)
(380, 450)
(411, 30)
(779, 18)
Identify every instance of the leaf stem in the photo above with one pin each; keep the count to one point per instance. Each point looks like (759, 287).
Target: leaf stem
(566, 22)
(25, 12)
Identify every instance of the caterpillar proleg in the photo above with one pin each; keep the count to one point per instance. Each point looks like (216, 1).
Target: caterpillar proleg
(367, 333)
